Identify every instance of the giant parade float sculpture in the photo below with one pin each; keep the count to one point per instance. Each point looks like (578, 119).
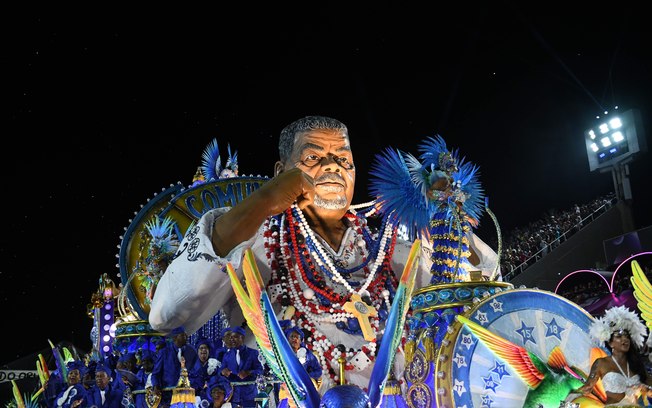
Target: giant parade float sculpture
(469, 340)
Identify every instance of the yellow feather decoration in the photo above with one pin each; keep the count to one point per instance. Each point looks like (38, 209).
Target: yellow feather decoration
(20, 403)
(642, 293)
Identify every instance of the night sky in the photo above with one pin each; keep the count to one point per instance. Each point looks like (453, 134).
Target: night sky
(106, 109)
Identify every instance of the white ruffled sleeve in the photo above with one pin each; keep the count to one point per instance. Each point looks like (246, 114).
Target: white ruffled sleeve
(488, 257)
(195, 286)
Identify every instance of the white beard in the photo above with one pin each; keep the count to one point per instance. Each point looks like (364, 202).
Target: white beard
(330, 204)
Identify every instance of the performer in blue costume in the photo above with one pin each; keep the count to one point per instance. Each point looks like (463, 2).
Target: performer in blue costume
(167, 366)
(106, 393)
(241, 364)
(143, 376)
(207, 366)
(306, 358)
(74, 394)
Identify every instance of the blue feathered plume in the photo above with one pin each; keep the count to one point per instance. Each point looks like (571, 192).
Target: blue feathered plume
(462, 189)
(435, 155)
(438, 195)
(211, 161)
(398, 182)
(468, 179)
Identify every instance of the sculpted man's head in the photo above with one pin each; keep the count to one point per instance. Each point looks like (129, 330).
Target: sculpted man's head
(320, 147)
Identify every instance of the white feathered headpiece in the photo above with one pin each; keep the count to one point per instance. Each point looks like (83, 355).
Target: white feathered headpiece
(616, 319)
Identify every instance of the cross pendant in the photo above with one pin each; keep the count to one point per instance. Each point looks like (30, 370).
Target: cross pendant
(362, 312)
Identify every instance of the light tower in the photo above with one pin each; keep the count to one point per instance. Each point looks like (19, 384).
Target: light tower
(611, 144)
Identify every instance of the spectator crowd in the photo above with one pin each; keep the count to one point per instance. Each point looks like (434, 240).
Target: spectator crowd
(523, 246)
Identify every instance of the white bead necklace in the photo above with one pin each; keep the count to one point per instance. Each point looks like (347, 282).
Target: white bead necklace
(298, 299)
(372, 204)
(323, 260)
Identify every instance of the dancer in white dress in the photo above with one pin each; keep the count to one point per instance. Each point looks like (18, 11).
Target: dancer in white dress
(622, 373)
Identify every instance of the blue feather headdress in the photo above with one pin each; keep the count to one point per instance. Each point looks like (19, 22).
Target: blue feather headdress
(211, 161)
(159, 246)
(400, 190)
(437, 195)
(212, 168)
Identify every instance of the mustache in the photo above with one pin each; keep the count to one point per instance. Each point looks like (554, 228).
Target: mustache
(326, 177)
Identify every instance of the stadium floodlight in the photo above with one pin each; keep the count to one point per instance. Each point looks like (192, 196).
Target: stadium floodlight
(614, 139)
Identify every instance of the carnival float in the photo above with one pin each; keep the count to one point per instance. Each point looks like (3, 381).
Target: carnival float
(461, 334)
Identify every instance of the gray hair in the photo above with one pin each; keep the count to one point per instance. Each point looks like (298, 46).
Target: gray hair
(304, 125)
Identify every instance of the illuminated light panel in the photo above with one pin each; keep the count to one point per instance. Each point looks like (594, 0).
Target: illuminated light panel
(625, 132)
(594, 147)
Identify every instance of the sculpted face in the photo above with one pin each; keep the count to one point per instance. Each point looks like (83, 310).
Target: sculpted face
(327, 157)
